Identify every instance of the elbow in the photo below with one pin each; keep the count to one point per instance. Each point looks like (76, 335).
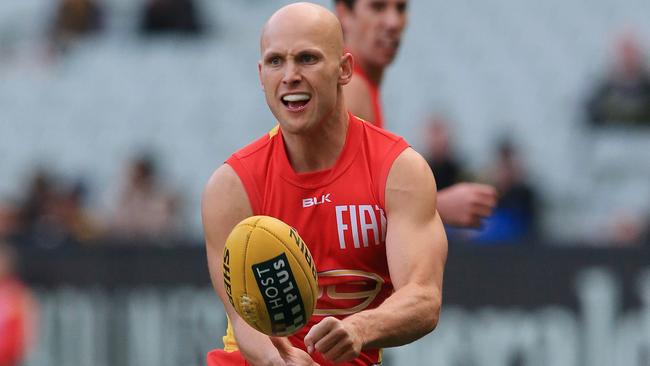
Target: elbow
(433, 312)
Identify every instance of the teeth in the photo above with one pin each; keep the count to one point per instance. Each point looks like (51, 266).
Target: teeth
(295, 97)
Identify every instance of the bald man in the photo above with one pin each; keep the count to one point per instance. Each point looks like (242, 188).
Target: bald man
(360, 197)
(373, 32)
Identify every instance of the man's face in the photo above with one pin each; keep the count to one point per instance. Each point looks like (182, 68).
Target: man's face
(300, 72)
(373, 28)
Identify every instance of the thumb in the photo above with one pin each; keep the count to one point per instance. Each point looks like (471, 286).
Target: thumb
(282, 344)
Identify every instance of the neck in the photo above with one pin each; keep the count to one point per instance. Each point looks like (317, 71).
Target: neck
(373, 72)
(319, 149)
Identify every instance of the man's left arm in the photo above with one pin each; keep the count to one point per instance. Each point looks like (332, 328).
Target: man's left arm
(416, 247)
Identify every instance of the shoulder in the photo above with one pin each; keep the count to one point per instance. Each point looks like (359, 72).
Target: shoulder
(381, 142)
(258, 146)
(380, 148)
(224, 200)
(250, 161)
(223, 186)
(412, 162)
(251, 166)
(410, 180)
(358, 98)
(379, 133)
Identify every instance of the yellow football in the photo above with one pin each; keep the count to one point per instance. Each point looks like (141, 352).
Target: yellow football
(269, 275)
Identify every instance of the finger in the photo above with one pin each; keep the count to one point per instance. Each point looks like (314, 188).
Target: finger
(282, 344)
(473, 222)
(338, 353)
(328, 342)
(485, 190)
(317, 332)
(483, 200)
(492, 200)
(482, 211)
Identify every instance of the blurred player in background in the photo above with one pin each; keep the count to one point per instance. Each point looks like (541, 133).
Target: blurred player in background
(361, 199)
(373, 31)
(17, 311)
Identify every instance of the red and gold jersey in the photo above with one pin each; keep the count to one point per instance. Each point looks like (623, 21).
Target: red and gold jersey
(339, 212)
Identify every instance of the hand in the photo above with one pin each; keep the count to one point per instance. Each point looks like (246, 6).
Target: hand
(291, 355)
(335, 339)
(465, 204)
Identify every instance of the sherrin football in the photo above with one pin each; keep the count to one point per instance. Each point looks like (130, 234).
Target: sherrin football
(269, 275)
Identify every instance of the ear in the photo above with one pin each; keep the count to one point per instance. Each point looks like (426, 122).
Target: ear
(346, 68)
(259, 73)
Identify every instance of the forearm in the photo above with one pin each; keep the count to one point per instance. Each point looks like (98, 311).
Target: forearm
(405, 316)
(255, 346)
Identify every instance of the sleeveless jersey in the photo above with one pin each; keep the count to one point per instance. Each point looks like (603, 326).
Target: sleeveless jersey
(375, 97)
(339, 213)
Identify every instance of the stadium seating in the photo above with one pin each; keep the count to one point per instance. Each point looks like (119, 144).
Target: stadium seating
(520, 68)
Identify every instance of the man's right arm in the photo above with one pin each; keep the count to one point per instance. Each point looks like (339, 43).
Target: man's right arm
(225, 204)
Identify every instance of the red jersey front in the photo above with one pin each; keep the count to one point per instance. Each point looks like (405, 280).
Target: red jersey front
(338, 212)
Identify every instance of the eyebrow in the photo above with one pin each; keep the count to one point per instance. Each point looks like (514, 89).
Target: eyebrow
(272, 53)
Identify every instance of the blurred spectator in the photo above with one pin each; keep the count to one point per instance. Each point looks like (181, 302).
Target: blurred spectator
(439, 153)
(515, 218)
(145, 210)
(624, 96)
(460, 204)
(170, 16)
(9, 221)
(53, 215)
(17, 311)
(75, 19)
(626, 229)
(69, 210)
(40, 192)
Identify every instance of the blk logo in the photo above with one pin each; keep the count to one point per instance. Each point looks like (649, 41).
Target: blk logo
(313, 201)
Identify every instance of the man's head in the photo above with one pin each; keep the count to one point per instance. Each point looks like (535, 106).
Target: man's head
(373, 28)
(629, 58)
(302, 67)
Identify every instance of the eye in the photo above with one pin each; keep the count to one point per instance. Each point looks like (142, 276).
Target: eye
(307, 58)
(378, 6)
(401, 7)
(274, 61)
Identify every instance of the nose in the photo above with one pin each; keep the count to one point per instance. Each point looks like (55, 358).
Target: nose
(292, 74)
(394, 19)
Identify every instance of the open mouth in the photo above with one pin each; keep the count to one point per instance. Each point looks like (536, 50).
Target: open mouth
(296, 102)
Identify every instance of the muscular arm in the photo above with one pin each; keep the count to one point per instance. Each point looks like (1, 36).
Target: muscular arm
(225, 204)
(416, 247)
(357, 99)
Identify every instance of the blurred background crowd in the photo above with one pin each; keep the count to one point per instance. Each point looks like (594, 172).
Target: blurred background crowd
(114, 113)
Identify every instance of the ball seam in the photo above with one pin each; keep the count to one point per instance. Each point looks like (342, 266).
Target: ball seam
(248, 236)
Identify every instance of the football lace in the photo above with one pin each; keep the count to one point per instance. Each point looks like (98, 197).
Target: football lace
(248, 308)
